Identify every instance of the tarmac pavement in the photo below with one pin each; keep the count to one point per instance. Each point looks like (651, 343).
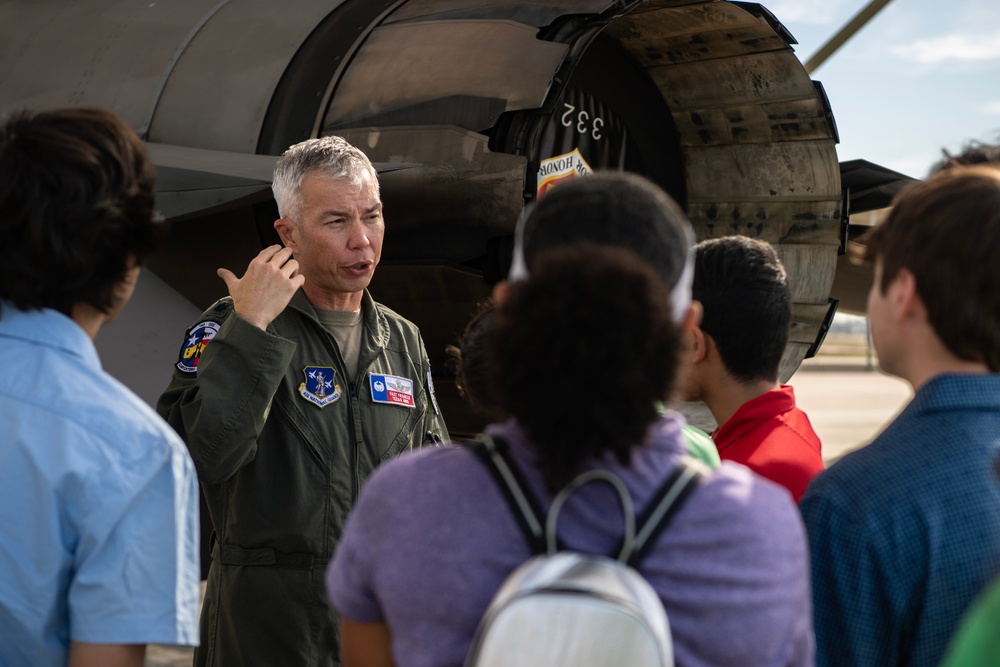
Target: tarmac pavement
(847, 402)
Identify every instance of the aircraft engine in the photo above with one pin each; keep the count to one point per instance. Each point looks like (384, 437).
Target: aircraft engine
(486, 103)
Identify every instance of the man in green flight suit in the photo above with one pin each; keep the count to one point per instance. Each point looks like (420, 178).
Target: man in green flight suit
(306, 386)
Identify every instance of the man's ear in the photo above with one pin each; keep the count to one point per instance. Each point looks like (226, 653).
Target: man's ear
(691, 331)
(905, 297)
(286, 229)
(700, 345)
(692, 318)
(500, 291)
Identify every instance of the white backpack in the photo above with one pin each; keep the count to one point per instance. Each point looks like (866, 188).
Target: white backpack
(564, 608)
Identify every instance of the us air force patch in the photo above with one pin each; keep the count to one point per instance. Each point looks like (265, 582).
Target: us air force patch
(392, 389)
(320, 387)
(194, 344)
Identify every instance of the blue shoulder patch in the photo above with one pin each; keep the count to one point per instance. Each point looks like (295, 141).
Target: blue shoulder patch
(195, 341)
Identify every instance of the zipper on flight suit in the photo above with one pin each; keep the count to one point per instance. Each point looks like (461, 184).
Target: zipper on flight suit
(358, 440)
(352, 401)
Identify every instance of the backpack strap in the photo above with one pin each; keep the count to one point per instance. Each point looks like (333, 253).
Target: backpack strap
(597, 475)
(495, 454)
(660, 509)
(664, 505)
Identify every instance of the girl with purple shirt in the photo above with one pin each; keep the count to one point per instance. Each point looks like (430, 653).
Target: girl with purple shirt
(581, 354)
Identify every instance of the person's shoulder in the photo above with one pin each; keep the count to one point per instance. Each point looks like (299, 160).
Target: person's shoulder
(735, 495)
(961, 387)
(797, 421)
(740, 518)
(859, 486)
(424, 482)
(906, 462)
(124, 422)
(89, 396)
(218, 312)
(199, 332)
(105, 434)
(221, 308)
(449, 461)
(734, 482)
(398, 334)
(700, 445)
(394, 320)
(897, 456)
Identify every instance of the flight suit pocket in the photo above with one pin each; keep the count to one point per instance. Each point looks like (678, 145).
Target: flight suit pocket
(404, 438)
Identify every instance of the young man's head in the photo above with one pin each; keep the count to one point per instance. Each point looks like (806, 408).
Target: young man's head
(935, 258)
(76, 209)
(613, 209)
(746, 311)
(468, 360)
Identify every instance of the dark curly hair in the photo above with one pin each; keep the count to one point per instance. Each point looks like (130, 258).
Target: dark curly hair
(582, 352)
(76, 208)
(468, 360)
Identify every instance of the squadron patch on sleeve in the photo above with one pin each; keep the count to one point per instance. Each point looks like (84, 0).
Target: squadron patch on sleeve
(392, 390)
(195, 341)
(320, 387)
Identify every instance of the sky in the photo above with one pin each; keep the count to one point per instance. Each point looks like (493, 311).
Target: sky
(921, 76)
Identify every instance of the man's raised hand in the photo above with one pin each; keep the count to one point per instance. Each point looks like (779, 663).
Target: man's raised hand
(267, 286)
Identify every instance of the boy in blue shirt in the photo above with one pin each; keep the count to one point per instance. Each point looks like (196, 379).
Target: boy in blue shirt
(98, 503)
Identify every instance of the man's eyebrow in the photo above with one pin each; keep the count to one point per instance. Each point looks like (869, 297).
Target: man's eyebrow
(332, 213)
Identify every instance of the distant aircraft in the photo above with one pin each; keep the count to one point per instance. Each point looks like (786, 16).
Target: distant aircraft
(471, 107)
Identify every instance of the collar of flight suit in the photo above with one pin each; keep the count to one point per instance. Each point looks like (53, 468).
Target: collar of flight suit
(376, 324)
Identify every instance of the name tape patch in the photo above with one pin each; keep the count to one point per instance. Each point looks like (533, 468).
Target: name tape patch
(392, 390)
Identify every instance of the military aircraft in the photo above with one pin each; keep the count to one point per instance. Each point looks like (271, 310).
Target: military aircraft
(471, 108)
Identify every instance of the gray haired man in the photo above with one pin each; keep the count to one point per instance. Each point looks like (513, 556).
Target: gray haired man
(307, 385)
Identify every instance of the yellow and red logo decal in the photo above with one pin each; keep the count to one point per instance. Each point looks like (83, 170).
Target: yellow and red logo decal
(195, 341)
(559, 168)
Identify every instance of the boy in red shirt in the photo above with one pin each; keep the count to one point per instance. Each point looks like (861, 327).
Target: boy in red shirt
(733, 361)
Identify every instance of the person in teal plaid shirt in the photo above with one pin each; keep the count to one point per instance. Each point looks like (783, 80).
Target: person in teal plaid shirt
(905, 533)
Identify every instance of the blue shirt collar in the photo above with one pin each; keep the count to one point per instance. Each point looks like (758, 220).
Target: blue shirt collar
(951, 391)
(49, 328)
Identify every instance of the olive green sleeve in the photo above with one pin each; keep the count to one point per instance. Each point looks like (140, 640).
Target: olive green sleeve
(220, 410)
(433, 430)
